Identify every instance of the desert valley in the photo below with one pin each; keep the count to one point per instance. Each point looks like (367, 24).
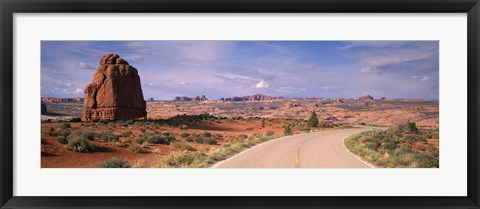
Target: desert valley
(289, 119)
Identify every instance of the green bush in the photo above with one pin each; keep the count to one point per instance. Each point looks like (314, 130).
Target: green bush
(65, 125)
(269, 133)
(90, 135)
(313, 120)
(152, 139)
(115, 163)
(412, 126)
(207, 134)
(126, 133)
(184, 135)
(210, 141)
(167, 133)
(287, 130)
(143, 130)
(135, 148)
(361, 123)
(182, 146)
(183, 127)
(109, 136)
(80, 144)
(140, 140)
(62, 140)
(389, 145)
(180, 160)
(62, 132)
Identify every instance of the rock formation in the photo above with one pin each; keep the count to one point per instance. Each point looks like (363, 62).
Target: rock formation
(365, 98)
(115, 93)
(188, 99)
(50, 100)
(256, 97)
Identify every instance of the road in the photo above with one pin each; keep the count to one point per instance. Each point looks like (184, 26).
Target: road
(322, 149)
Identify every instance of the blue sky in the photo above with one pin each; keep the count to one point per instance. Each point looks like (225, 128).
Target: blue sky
(327, 69)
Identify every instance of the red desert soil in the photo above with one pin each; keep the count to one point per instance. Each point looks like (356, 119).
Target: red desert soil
(56, 155)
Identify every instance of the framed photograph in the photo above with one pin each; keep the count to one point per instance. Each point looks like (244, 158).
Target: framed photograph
(239, 104)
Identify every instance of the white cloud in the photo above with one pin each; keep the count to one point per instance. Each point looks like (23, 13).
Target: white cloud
(182, 83)
(84, 65)
(262, 85)
(78, 91)
(425, 78)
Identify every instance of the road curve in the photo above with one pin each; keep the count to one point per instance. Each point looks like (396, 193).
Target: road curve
(322, 149)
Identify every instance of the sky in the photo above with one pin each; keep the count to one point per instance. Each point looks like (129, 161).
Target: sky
(221, 69)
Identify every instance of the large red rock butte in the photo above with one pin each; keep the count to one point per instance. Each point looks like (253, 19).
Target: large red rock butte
(115, 93)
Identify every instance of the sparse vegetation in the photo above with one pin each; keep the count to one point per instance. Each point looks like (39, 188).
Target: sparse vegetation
(396, 147)
(136, 149)
(287, 130)
(182, 146)
(115, 163)
(109, 136)
(62, 140)
(79, 143)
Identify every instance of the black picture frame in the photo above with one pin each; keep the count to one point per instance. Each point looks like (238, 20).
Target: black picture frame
(9, 7)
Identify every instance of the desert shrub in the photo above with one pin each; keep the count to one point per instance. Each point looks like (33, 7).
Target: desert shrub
(205, 116)
(248, 129)
(52, 132)
(269, 133)
(263, 123)
(313, 120)
(184, 135)
(182, 146)
(389, 145)
(189, 139)
(65, 125)
(75, 120)
(199, 140)
(167, 133)
(404, 149)
(287, 130)
(179, 160)
(210, 141)
(372, 145)
(218, 135)
(115, 163)
(140, 140)
(109, 136)
(217, 156)
(80, 144)
(62, 140)
(412, 126)
(126, 133)
(142, 130)
(242, 136)
(183, 127)
(129, 122)
(104, 121)
(361, 123)
(207, 134)
(90, 135)
(62, 132)
(152, 139)
(136, 149)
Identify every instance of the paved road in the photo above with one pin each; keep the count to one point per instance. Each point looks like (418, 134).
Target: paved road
(310, 150)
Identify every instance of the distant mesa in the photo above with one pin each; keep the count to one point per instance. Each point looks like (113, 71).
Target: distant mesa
(190, 99)
(115, 92)
(50, 100)
(255, 97)
(365, 98)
